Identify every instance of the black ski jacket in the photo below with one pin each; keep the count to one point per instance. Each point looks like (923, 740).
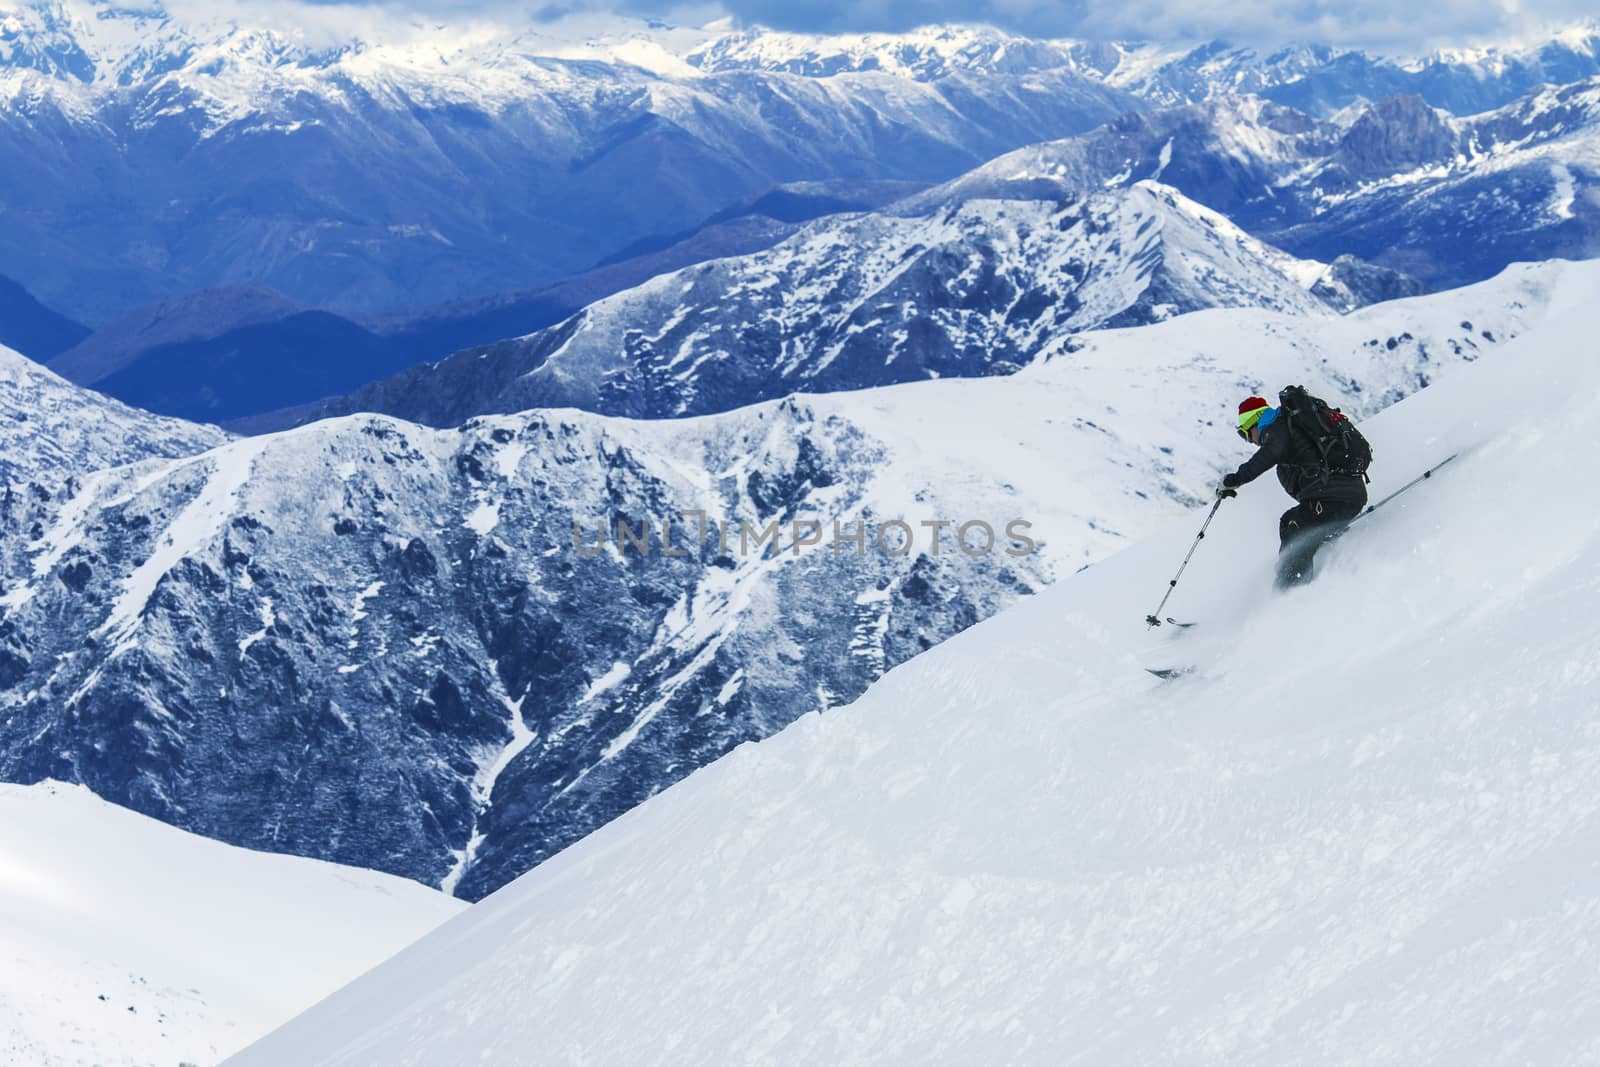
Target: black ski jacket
(1299, 467)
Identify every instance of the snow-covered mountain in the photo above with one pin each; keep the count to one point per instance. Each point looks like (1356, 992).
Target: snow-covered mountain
(1319, 79)
(1363, 832)
(1446, 200)
(52, 430)
(978, 287)
(358, 161)
(924, 54)
(153, 156)
(1462, 81)
(376, 643)
(130, 943)
(1230, 153)
(1324, 80)
(1451, 200)
(276, 627)
(988, 271)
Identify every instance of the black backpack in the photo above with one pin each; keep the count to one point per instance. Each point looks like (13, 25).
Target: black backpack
(1334, 441)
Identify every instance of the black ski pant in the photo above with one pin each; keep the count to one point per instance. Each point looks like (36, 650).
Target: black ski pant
(1305, 528)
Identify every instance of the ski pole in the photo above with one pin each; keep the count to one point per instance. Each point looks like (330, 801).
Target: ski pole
(1415, 481)
(1155, 619)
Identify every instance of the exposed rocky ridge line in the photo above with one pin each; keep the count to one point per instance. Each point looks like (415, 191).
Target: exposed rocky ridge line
(969, 289)
(52, 431)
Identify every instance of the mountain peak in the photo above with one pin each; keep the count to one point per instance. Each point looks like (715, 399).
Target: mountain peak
(966, 287)
(1393, 135)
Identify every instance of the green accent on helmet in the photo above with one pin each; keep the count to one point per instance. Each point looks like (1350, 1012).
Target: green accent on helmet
(1248, 419)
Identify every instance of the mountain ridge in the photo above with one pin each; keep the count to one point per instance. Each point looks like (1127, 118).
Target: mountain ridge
(1007, 282)
(52, 430)
(28, 326)
(192, 357)
(440, 166)
(367, 601)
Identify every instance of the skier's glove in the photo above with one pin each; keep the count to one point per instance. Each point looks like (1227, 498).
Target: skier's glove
(1224, 491)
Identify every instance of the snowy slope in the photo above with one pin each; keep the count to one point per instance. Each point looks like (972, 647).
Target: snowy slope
(978, 287)
(245, 642)
(1364, 833)
(50, 428)
(127, 942)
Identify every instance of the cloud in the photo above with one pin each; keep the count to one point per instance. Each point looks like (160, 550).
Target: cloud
(1367, 23)
(1356, 23)
(1380, 24)
(1038, 17)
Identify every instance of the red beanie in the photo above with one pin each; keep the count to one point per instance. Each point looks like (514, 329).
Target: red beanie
(1251, 403)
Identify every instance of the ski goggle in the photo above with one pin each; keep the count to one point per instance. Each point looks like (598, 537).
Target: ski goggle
(1248, 420)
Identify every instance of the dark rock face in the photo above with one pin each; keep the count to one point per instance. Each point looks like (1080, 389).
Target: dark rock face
(1398, 133)
(382, 645)
(1351, 283)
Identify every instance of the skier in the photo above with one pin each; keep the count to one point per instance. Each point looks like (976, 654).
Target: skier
(1322, 462)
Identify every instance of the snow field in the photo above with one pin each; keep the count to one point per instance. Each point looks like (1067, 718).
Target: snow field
(124, 941)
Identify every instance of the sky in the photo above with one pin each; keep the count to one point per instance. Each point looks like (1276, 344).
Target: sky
(1338, 22)
(1392, 27)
